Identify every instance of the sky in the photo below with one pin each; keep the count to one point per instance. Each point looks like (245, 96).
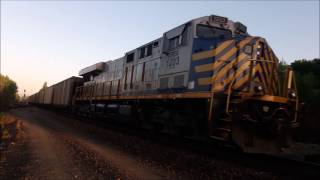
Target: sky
(50, 41)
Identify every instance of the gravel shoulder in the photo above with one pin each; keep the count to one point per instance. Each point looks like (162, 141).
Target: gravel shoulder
(58, 151)
(51, 146)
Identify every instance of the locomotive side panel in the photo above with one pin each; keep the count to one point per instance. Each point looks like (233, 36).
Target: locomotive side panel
(138, 66)
(175, 59)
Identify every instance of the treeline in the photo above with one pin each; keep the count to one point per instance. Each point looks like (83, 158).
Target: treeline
(307, 75)
(8, 92)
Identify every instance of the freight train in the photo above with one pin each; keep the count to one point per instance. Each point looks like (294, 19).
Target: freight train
(205, 79)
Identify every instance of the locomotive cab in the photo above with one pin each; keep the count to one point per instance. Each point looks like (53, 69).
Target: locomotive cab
(267, 119)
(249, 106)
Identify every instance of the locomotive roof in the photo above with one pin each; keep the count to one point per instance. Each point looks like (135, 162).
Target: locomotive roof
(229, 24)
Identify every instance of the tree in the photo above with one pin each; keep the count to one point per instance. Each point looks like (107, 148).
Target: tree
(8, 91)
(44, 85)
(307, 75)
(308, 80)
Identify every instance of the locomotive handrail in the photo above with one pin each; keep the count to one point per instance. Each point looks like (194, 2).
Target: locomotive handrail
(229, 94)
(297, 98)
(261, 60)
(231, 84)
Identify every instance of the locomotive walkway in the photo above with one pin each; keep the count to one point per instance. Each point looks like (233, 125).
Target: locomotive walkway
(51, 146)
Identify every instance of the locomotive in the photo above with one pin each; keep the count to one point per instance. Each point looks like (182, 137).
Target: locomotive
(205, 79)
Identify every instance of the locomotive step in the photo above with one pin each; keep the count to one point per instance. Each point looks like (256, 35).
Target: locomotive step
(222, 133)
(218, 138)
(235, 101)
(226, 120)
(222, 129)
(225, 124)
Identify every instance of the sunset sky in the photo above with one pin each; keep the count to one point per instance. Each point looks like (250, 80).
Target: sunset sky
(52, 40)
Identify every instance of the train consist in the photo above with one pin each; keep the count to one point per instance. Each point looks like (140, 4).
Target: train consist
(205, 79)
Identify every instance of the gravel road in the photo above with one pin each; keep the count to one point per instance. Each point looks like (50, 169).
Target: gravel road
(51, 146)
(59, 150)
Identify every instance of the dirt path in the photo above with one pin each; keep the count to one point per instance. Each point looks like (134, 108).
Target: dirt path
(53, 146)
(58, 151)
(51, 159)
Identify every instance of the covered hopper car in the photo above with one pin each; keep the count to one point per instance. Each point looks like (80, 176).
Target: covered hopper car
(206, 79)
(59, 95)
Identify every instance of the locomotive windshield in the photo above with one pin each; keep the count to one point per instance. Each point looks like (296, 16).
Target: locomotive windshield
(204, 31)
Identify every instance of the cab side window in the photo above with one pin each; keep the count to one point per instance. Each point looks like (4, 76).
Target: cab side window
(130, 57)
(174, 42)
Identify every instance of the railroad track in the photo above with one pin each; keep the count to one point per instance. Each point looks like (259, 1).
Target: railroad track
(280, 165)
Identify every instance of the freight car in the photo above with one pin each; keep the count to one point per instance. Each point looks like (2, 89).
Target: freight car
(205, 79)
(59, 95)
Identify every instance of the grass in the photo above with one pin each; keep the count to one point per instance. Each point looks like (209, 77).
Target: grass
(1, 119)
(4, 133)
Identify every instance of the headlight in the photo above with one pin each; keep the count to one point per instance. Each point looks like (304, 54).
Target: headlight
(265, 108)
(292, 94)
(258, 88)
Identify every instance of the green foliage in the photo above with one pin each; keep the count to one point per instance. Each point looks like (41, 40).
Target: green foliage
(8, 91)
(307, 74)
(307, 66)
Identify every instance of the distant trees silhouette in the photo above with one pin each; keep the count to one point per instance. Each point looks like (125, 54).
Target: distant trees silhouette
(307, 75)
(8, 92)
(308, 80)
